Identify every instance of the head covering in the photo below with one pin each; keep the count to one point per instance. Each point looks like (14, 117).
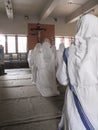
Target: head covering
(87, 26)
(87, 29)
(61, 47)
(38, 46)
(46, 40)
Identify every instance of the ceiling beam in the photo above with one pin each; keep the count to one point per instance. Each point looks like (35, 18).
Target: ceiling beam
(9, 8)
(91, 4)
(49, 8)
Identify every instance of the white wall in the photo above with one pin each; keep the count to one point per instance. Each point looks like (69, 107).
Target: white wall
(19, 25)
(65, 29)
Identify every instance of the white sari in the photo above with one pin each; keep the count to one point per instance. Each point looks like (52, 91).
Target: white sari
(83, 73)
(32, 62)
(46, 78)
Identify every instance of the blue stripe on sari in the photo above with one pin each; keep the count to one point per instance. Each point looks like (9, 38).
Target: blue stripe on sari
(81, 112)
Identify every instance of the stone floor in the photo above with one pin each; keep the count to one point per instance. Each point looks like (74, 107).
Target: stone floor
(21, 105)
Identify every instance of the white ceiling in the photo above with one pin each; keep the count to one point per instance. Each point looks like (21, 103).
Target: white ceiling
(43, 9)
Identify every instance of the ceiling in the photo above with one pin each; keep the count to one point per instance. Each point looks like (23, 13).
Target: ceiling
(68, 10)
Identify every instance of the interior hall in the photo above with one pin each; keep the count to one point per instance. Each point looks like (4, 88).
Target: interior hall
(33, 36)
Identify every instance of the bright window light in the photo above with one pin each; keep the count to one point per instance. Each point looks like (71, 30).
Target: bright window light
(22, 44)
(11, 44)
(66, 42)
(57, 42)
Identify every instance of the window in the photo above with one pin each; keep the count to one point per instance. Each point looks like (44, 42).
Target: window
(2, 41)
(66, 40)
(22, 44)
(15, 46)
(11, 44)
(57, 42)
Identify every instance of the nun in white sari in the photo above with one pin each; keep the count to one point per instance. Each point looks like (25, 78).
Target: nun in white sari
(82, 74)
(46, 78)
(60, 54)
(60, 57)
(32, 62)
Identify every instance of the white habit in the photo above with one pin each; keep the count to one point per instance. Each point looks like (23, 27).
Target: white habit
(83, 72)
